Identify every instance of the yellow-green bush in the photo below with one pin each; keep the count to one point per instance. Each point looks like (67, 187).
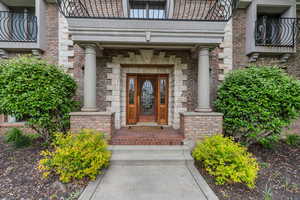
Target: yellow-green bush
(76, 156)
(227, 161)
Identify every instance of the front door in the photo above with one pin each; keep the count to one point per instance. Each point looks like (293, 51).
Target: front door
(147, 99)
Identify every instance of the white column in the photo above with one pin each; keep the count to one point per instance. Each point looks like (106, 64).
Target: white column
(203, 81)
(89, 99)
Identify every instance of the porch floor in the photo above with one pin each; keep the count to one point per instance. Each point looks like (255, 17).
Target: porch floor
(146, 135)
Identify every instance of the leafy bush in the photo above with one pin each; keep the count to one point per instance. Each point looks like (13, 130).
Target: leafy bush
(228, 161)
(76, 156)
(16, 137)
(293, 140)
(38, 92)
(257, 103)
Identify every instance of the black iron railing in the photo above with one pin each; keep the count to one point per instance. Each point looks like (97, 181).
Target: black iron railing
(197, 10)
(18, 27)
(276, 32)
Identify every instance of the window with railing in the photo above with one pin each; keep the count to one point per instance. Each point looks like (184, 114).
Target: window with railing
(274, 31)
(18, 27)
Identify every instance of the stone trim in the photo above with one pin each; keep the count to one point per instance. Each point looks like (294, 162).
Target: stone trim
(66, 51)
(90, 113)
(176, 105)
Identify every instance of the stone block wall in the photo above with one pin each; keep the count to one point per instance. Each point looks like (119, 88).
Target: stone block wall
(100, 121)
(197, 125)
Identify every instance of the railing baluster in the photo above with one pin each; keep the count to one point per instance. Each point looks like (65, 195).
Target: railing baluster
(196, 10)
(17, 27)
(276, 32)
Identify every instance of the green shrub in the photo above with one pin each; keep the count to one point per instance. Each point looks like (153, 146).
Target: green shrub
(38, 92)
(16, 137)
(257, 103)
(227, 161)
(293, 140)
(76, 156)
(269, 142)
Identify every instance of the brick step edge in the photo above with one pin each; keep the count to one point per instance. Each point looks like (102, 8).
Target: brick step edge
(143, 142)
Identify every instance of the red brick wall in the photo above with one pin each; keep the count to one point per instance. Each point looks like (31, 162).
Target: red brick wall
(199, 125)
(51, 52)
(239, 39)
(103, 122)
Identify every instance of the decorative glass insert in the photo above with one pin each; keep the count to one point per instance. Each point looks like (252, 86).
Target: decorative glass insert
(163, 91)
(147, 98)
(131, 91)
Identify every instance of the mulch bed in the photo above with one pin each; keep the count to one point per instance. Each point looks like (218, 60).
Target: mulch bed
(19, 178)
(279, 176)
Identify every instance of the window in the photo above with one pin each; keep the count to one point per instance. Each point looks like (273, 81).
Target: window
(268, 29)
(147, 9)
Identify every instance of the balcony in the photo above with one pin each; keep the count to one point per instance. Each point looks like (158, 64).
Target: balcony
(276, 32)
(195, 10)
(18, 27)
(23, 26)
(185, 22)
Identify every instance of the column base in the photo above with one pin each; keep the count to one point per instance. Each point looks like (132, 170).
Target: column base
(203, 110)
(89, 109)
(198, 125)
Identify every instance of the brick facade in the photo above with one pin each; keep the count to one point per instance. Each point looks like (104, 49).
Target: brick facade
(196, 126)
(100, 121)
(220, 61)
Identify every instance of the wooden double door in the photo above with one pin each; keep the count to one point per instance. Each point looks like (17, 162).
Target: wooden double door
(147, 98)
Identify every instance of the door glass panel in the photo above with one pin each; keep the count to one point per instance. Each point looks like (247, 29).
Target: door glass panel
(147, 98)
(163, 90)
(131, 92)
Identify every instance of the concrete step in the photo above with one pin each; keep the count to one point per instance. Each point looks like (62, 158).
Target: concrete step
(150, 155)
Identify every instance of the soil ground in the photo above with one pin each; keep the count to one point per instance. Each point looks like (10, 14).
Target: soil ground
(20, 179)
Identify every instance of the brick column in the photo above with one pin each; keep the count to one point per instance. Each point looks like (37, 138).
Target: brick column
(89, 98)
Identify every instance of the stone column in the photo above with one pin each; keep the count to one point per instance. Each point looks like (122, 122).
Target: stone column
(203, 81)
(89, 98)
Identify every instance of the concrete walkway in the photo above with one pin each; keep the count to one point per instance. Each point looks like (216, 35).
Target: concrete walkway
(149, 173)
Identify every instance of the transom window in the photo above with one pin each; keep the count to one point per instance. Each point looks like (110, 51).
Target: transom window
(147, 9)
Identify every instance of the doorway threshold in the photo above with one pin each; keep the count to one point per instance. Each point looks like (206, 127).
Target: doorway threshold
(151, 124)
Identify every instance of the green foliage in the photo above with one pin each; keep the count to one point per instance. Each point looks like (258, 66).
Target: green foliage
(293, 140)
(257, 103)
(270, 141)
(16, 137)
(38, 92)
(76, 156)
(228, 161)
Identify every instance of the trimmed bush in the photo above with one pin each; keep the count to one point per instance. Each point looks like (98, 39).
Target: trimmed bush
(37, 92)
(227, 161)
(76, 156)
(257, 103)
(16, 137)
